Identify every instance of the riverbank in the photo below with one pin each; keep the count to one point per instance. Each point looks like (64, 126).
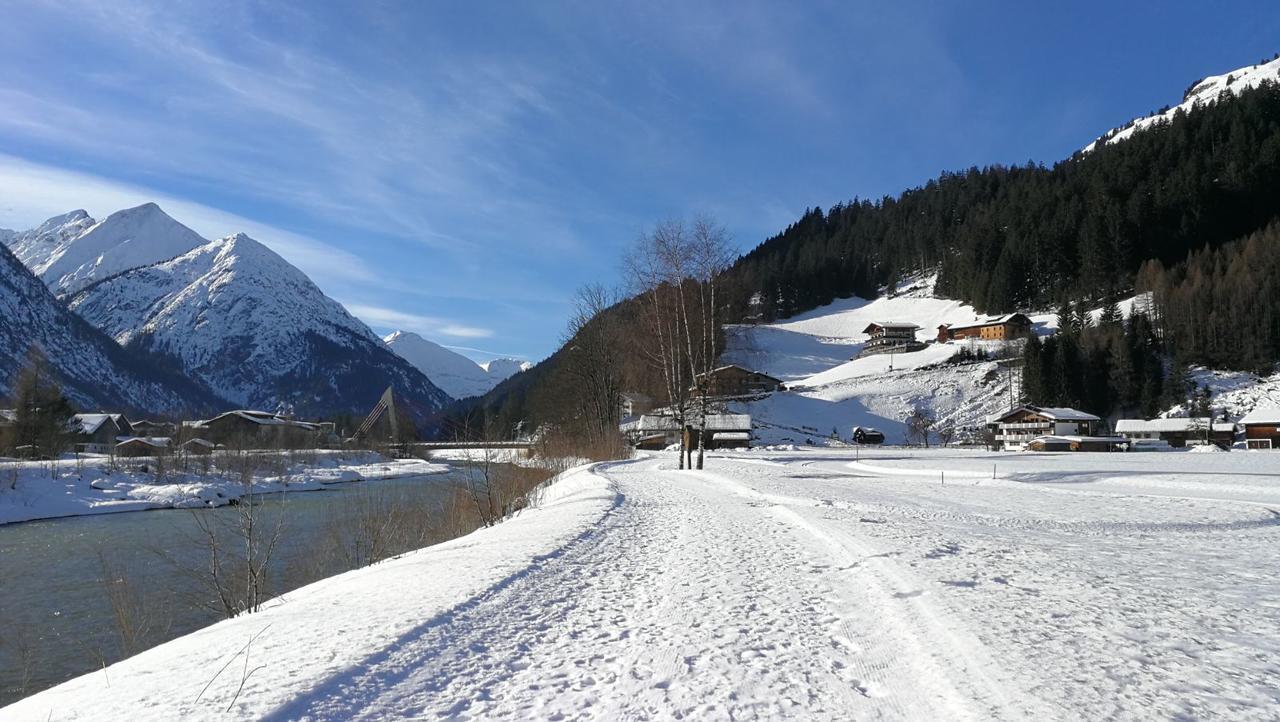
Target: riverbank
(319, 636)
(31, 490)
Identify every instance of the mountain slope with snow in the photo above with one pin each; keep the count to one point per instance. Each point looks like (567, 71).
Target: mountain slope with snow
(72, 251)
(1200, 94)
(455, 374)
(94, 372)
(242, 320)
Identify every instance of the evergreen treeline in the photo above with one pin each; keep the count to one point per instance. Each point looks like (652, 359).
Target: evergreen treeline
(1008, 238)
(1220, 307)
(1113, 365)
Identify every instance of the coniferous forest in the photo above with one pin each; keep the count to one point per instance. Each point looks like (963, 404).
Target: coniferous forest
(1027, 237)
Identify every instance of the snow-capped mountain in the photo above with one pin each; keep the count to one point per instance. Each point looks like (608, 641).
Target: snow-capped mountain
(459, 376)
(502, 369)
(73, 250)
(1202, 93)
(94, 371)
(242, 320)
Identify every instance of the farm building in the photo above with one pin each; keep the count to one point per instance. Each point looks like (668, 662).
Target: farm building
(655, 431)
(98, 433)
(1077, 443)
(733, 380)
(198, 446)
(1178, 432)
(1000, 328)
(867, 435)
(1017, 427)
(253, 429)
(1262, 428)
(142, 446)
(890, 337)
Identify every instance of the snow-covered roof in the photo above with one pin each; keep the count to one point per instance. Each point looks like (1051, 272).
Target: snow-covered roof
(90, 423)
(897, 325)
(1051, 413)
(731, 436)
(9, 415)
(1263, 415)
(715, 422)
(1124, 426)
(995, 321)
(1072, 437)
(726, 367)
(159, 442)
(263, 418)
(199, 442)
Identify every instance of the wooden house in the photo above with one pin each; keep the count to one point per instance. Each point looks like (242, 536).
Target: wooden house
(733, 380)
(890, 337)
(999, 328)
(99, 433)
(142, 446)
(1015, 428)
(1178, 433)
(1262, 428)
(147, 427)
(867, 435)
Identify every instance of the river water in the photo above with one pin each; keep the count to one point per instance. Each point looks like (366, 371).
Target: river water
(57, 616)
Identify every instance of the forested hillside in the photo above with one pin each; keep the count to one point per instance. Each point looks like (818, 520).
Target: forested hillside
(1010, 238)
(1168, 210)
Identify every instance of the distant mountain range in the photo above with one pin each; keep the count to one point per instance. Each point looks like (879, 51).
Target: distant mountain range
(459, 376)
(243, 325)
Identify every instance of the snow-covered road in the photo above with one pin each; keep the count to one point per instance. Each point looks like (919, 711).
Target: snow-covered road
(805, 585)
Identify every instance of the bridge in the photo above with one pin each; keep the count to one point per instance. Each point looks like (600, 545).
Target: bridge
(441, 445)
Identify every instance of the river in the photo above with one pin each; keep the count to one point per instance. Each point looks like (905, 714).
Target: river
(77, 593)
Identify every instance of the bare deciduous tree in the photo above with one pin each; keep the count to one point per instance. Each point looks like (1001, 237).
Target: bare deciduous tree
(593, 363)
(675, 269)
(919, 426)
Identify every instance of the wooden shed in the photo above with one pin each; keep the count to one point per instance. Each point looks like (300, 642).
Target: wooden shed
(1262, 428)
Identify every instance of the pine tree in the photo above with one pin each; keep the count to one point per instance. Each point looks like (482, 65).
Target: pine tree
(42, 428)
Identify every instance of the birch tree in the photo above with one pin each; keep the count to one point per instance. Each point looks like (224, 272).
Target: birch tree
(675, 270)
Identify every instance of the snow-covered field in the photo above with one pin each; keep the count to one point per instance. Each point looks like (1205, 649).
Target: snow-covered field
(925, 585)
(41, 490)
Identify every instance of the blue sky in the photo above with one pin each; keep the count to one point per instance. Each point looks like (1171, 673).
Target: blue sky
(458, 169)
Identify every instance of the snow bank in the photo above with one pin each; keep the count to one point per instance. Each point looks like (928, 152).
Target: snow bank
(315, 639)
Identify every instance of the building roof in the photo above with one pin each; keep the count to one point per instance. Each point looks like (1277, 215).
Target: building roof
(715, 422)
(262, 418)
(896, 325)
(1072, 437)
(8, 415)
(159, 442)
(634, 396)
(726, 367)
(1051, 413)
(199, 442)
(992, 321)
(1168, 425)
(90, 423)
(1262, 415)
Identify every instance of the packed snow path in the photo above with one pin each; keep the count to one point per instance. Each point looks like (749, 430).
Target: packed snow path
(806, 584)
(693, 597)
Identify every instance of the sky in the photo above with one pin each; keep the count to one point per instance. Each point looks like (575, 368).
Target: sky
(460, 169)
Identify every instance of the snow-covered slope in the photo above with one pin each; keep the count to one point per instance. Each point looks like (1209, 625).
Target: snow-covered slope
(95, 373)
(1200, 94)
(829, 388)
(457, 375)
(240, 319)
(71, 251)
(501, 369)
